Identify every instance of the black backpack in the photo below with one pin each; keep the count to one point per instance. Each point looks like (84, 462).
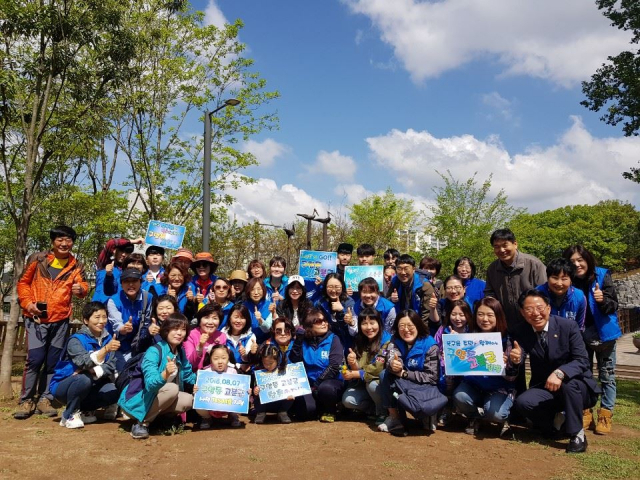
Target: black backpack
(132, 369)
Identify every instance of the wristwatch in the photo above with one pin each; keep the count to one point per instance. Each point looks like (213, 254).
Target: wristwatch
(559, 373)
(404, 374)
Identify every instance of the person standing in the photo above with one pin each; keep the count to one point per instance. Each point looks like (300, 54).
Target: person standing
(45, 290)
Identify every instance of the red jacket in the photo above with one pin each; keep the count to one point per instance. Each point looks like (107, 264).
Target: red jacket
(36, 285)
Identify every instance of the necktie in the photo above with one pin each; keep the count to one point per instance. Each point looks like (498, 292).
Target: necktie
(542, 338)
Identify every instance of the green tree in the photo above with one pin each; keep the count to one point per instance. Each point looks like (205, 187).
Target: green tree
(615, 87)
(609, 229)
(59, 61)
(380, 219)
(464, 216)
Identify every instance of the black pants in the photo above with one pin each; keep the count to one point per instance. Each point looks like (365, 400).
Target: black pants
(324, 399)
(540, 405)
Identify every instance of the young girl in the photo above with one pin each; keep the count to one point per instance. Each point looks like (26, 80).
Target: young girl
(457, 319)
(165, 371)
(488, 398)
(83, 376)
(259, 309)
(220, 360)
(240, 339)
(295, 302)
(271, 358)
(338, 309)
(365, 362)
(205, 335)
(277, 280)
(411, 373)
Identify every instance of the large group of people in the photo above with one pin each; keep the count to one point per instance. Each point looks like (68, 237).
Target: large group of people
(151, 325)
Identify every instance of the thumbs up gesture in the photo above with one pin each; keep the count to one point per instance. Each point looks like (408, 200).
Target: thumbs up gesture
(172, 292)
(77, 289)
(154, 329)
(113, 345)
(109, 268)
(348, 317)
(171, 366)
(515, 355)
(190, 294)
(394, 296)
(149, 277)
(598, 295)
(199, 296)
(272, 308)
(203, 339)
(396, 364)
(258, 315)
(127, 327)
(433, 301)
(254, 347)
(336, 306)
(352, 360)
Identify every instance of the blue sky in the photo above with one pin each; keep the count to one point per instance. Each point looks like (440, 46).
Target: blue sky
(380, 93)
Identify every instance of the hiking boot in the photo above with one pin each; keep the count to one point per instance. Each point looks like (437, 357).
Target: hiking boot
(140, 431)
(588, 422)
(25, 410)
(604, 421)
(284, 417)
(45, 408)
(260, 418)
(74, 421)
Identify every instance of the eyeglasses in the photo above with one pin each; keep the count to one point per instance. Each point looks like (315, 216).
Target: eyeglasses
(176, 277)
(407, 327)
(221, 287)
(538, 309)
(334, 287)
(454, 289)
(404, 269)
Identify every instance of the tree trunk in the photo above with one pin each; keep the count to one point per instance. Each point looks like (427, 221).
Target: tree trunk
(12, 326)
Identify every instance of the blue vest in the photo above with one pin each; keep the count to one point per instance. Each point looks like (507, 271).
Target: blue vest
(236, 349)
(415, 303)
(263, 308)
(607, 325)
(65, 367)
(474, 290)
(106, 286)
(316, 357)
(270, 289)
(571, 303)
(384, 306)
(413, 358)
(127, 309)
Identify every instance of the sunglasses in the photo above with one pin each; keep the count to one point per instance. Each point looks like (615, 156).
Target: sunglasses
(282, 331)
(221, 287)
(319, 321)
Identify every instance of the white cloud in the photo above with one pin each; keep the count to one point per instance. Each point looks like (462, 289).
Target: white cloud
(214, 16)
(499, 104)
(267, 151)
(335, 164)
(562, 41)
(578, 169)
(266, 202)
(352, 192)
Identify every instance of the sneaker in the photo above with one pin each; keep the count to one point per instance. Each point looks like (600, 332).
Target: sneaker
(473, 427)
(505, 430)
(390, 424)
(604, 421)
(235, 421)
(380, 419)
(111, 412)
(24, 410)
(260, 418)
(443, 419)
(205, 423)
(74, 421)
(88, 417)
(44, 407)
(140, 431)
(328, 418)
(284, 417)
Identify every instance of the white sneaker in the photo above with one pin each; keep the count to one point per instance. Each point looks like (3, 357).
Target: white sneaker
(388, 424)
(111, 412)
(74, 421)
(88, 417)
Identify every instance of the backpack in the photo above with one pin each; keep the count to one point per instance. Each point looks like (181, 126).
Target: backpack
(132, 370)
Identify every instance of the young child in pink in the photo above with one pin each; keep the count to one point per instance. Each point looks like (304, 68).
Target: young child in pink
(206, 335)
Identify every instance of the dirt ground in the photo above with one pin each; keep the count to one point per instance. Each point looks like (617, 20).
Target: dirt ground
(38, 448)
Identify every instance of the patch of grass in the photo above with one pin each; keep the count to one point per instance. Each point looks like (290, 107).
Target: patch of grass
(17, 368)
(253, 458)
(627, 411)
(173, 430)
(604, 466)
(397, 465)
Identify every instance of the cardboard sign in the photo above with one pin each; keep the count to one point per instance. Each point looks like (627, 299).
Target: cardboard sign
(276, 386)
(165, 235)
(222, 392)
(473, 354)
(354, 275)
(316, 264)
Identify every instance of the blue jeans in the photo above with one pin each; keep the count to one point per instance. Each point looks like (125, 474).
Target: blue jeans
(496, 405)
(606, 373)
(81, 392)
(364, 398)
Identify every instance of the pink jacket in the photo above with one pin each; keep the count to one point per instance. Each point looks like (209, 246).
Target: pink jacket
(193, 341)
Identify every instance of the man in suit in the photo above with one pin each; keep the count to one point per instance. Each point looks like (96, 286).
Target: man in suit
(560, 376)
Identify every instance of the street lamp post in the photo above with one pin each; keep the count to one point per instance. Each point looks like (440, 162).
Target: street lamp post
(206, 197)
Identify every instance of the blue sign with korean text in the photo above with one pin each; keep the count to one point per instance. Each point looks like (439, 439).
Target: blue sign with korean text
(165, 235)
(276, 386)
(316, 264)
(222, 392)
(473, 354)
(354, 275)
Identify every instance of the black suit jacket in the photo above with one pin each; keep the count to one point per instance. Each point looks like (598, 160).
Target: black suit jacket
(566, 352)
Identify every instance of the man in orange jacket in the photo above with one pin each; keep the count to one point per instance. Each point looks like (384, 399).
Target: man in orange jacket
(44, 292)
